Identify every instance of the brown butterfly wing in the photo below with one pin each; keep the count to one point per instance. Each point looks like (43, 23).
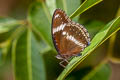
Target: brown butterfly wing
(69, 37)
(58, 21)
(73, 40)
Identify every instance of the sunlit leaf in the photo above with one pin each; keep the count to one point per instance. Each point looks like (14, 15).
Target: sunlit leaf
(100, 37)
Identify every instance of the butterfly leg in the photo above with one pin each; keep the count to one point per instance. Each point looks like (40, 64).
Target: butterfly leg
(61, 63)
(66, 61)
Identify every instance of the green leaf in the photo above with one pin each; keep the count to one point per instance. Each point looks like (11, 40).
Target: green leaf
(101, 72)
(67, 5)
(7, 26)
(26, 59)
(93, 26)
(3, 54)
(60, 4)
(100, 37)
(86, 5)
(43, 47)
(0, 56)
(40, 19)
(79, 74)
(51, 5)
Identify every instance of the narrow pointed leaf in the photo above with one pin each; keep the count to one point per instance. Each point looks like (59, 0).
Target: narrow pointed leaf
(100, 37)
(40, 19)
(85, 5)
(7, 27)
(27, 62)
(67, 5)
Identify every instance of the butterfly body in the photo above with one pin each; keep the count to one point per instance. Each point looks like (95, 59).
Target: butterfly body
(69, 38)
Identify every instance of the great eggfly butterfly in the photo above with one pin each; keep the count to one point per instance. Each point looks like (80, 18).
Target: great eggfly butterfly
(69, 38)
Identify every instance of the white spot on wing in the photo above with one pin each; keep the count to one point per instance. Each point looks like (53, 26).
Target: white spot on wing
(59, 28)
(71, 38)
(64, 33)
(82, 29)
(56, 16)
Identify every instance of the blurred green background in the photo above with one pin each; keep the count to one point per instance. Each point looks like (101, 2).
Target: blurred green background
(16, 41)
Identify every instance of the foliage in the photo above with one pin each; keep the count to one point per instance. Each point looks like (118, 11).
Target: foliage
(27, 44)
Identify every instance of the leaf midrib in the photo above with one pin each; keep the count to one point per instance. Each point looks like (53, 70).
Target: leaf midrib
(29, 59)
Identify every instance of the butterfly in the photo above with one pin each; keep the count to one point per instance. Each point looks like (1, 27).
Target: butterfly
(69, 38)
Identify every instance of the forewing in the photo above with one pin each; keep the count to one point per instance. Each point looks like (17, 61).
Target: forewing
(59, 22)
